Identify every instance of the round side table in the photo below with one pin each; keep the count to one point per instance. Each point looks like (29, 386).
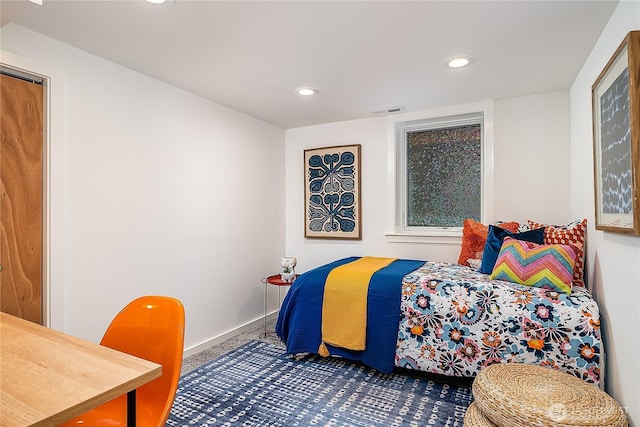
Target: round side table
(274, 280)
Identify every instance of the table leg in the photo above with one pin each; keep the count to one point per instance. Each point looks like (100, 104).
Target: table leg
(264, 319)
(131, 408)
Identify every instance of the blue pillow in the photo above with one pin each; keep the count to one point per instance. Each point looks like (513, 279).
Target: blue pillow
(494, 243)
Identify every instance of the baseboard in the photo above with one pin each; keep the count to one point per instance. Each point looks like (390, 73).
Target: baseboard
(220, 338)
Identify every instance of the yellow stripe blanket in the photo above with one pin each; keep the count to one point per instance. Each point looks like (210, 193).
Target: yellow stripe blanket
(344, 307)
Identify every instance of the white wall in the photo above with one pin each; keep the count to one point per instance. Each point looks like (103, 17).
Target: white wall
(532, 158)
(164, 193)
(614, 260)
(531, 177)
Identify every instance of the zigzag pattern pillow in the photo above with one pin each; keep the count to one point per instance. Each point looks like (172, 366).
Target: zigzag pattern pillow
(573, 233)
(542, 266)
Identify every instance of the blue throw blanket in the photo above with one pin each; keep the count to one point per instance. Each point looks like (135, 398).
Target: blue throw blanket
(300, 320)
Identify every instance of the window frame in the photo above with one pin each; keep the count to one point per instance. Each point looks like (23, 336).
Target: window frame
(398, 230)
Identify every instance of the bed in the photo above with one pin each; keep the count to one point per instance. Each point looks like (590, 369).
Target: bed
(452, 320)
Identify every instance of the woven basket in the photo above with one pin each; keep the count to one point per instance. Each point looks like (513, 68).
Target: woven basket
(474, 418)
(514, 394)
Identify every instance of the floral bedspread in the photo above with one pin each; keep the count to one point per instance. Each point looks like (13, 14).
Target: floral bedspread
(455, 320)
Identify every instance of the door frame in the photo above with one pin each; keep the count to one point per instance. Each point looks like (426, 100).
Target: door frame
(53, 184)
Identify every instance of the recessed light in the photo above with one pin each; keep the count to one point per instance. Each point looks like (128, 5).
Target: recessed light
(458, 62)
(161, 2)
(306, 91)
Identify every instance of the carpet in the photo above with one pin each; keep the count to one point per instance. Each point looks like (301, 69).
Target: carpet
(257, 384)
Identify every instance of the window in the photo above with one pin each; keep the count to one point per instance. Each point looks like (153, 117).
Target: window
(442, 171)
(443, 175)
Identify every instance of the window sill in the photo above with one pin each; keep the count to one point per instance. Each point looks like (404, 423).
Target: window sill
(434, 237)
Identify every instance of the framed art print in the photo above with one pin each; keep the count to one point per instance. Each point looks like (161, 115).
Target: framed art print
(616, 140)
(332, 192)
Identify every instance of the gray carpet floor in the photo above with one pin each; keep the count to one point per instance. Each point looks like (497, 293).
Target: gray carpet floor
(191, 362)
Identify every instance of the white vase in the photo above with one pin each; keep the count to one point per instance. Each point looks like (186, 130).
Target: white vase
(288, 264)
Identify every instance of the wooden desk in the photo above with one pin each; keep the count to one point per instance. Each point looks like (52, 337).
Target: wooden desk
(48, 377)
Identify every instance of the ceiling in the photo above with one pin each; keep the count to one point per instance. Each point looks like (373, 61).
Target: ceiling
(361, 56)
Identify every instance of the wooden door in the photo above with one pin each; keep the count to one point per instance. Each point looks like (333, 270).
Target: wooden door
(21, 198)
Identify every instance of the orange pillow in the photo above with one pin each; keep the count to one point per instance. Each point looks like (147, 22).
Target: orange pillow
(474, 237)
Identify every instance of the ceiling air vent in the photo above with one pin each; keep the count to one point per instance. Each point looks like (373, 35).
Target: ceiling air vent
(390, 110)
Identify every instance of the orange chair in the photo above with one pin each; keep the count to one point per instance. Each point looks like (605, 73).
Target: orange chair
(152, 328)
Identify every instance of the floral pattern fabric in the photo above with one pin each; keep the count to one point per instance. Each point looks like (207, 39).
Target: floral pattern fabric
(454, 321)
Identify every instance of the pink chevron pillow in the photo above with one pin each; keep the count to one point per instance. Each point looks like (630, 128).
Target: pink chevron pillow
(573, 233)
(542, 266)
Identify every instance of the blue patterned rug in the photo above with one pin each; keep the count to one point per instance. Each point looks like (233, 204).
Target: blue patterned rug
(258, 385)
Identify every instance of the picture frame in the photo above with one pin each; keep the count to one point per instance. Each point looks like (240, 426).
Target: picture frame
(332, 206)
(616, 140)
